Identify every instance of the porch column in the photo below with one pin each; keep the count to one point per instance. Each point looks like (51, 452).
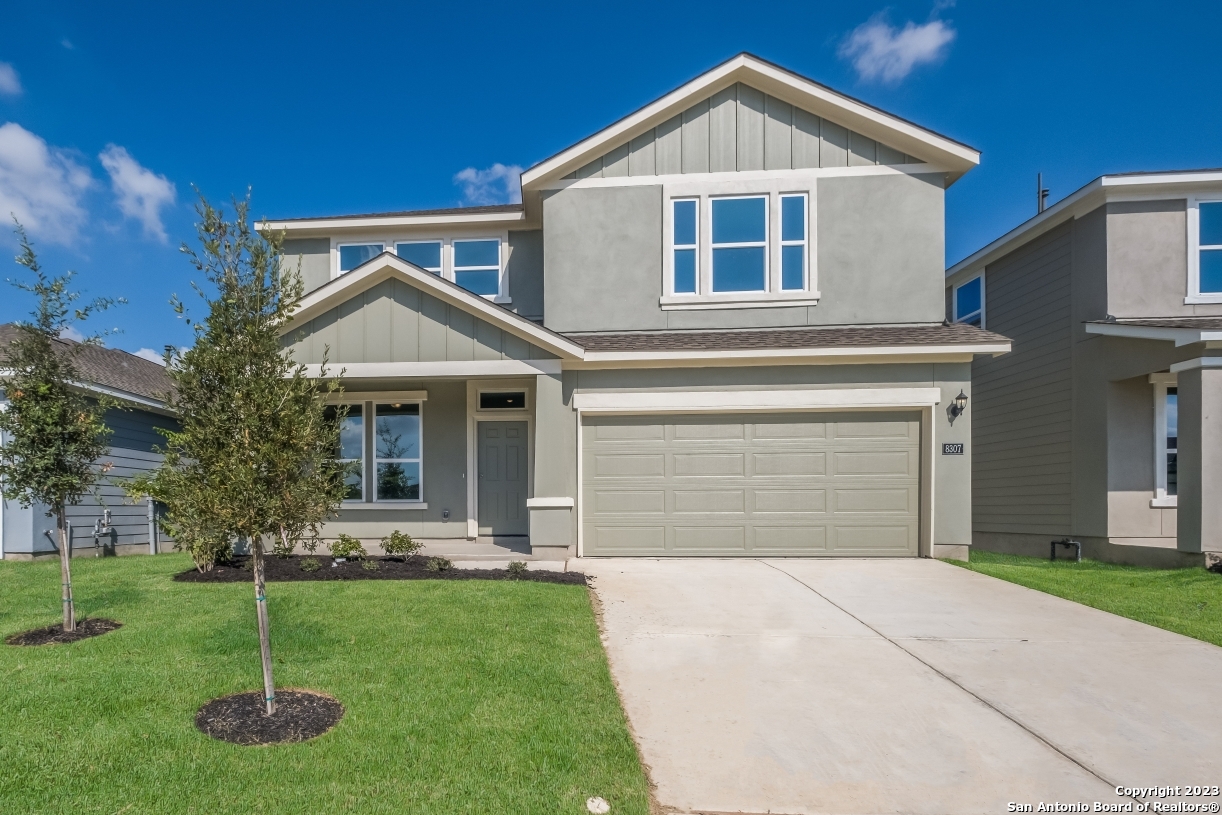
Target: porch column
(1199, 387)
(552, 508)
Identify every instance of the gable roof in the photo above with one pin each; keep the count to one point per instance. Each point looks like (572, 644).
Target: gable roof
(109, 370)
(388, 265)
(492, 213)
(954, 157)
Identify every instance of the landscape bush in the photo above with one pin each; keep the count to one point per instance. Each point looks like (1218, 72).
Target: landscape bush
(397, 543)
(346, 546)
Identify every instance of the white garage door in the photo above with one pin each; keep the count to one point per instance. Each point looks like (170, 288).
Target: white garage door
(750, 484)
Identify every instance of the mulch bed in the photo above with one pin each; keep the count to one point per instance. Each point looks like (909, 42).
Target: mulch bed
(53, 634)
(286, 569)
(242, 717)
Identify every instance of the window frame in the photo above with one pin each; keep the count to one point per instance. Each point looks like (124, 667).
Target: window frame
(765, 244)
(1195, 295)
(804, 243)
(954, 304)
(447, 240)
(500, 268)
(1162, 383)
(374, 461)
(703, 191)
(339, 272)
(441, 253)
(675, 247)
(364, 499)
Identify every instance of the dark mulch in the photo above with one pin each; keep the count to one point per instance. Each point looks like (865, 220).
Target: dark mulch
(242, 718)
(52, 634)
(289, 569)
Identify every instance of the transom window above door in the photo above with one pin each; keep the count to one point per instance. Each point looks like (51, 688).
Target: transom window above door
(476, 263)
(744, 250)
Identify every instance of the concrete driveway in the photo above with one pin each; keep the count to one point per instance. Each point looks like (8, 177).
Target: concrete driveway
(896, 686)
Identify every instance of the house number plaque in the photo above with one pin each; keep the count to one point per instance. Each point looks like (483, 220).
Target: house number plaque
(952, 449)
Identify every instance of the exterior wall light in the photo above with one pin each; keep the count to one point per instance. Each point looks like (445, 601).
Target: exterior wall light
(957, 406)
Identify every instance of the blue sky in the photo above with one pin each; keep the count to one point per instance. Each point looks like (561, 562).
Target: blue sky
(109, 113)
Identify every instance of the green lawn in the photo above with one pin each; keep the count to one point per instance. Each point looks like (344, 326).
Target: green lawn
(1187, 601)
(471, 696)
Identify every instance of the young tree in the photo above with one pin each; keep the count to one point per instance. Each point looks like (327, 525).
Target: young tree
(254, 456)
(55, 432)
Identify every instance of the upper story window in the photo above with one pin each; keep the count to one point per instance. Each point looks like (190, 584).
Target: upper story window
(1204, 251)
(475, 263)
(732, 248)
(969, 302)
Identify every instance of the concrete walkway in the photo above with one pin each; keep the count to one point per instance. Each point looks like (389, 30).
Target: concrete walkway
(896, 686)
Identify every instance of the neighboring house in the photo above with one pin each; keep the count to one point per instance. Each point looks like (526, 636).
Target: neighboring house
(122, 527)
(713, 328)
(1105, 423)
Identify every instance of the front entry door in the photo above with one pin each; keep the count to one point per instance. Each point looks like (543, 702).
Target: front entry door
(502, 478)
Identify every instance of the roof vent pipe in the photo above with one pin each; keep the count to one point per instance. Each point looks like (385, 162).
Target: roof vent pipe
(1041, 193)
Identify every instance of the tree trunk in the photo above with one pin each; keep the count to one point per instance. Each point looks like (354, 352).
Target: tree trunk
(65, 569)
(265, 641)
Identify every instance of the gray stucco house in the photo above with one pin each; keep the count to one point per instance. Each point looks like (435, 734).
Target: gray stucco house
(1105, 422)
(122, 527)
(714, 327)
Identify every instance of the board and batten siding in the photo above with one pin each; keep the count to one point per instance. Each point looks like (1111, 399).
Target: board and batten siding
(396, 322)
(1022, 425)
(740, 128)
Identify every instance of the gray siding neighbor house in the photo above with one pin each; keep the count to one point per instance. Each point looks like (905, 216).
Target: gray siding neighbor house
(1105, 422)
(713, 328)
(121, 526)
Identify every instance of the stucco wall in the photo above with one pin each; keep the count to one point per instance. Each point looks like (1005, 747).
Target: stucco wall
(314, 256)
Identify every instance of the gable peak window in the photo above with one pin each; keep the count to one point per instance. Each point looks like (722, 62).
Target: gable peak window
(969, 302)
(352, 255)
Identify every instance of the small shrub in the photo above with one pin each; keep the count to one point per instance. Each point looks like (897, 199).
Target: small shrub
(346, 546)
(397, 543)
(310, 564)
(516, 569)
(437, 564)
(369, 565)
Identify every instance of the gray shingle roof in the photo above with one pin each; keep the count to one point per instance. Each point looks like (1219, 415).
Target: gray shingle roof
(109, 368)
(787, 338)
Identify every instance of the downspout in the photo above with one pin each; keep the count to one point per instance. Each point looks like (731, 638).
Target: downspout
(152, 515)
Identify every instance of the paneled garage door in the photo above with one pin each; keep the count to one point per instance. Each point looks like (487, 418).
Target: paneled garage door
(751, 484)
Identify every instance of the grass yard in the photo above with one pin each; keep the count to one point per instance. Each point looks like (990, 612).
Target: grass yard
(472, 696)
(1186, 601)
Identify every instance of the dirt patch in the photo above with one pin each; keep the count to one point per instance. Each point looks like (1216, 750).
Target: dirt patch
(54, 634)
(242, 718)
(289, 569)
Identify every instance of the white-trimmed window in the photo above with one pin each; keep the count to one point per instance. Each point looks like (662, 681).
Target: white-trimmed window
(739, 244)
(1166, 440)
(352, 453)
(397, 452)
(425, 254)
(968, 305)
(477, 265)
(352, 255)
(1204, 251)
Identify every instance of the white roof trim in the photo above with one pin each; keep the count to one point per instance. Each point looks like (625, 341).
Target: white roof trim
(376, 221)
(1180, 336)
(753, 401)
(1077, 204)
(764, 76)
(387, 265)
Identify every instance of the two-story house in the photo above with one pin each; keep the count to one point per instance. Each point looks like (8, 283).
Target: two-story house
(1105, 423)
(714, 327)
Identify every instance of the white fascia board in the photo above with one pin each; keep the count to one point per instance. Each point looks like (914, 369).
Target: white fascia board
(351, 397)
(387, 265)
(433, 370)
(1199, 362)
(792, 355)
(1180, 336)
(755, 401)
(376, 221)
(777, 82)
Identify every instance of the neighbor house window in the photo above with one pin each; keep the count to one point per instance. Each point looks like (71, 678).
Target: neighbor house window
(1166, 439)
(1209, 251)
(425, 254)
(740, 244)
(397, 452)
(352, 453)
(969, 302)
(685, 250)
(354, 254)
(793, 242)
(477, 266)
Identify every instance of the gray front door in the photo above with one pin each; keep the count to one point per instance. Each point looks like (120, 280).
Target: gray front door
(502, 478)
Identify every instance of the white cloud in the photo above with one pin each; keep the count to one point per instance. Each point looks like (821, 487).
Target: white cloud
(880, 51)
(40, 186)
(150, 355)
(10, 84)
(67, 43)
(71, 333)
(140, 193)
(496, 185)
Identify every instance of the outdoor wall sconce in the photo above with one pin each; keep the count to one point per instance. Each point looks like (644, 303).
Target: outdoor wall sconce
(958, 406)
